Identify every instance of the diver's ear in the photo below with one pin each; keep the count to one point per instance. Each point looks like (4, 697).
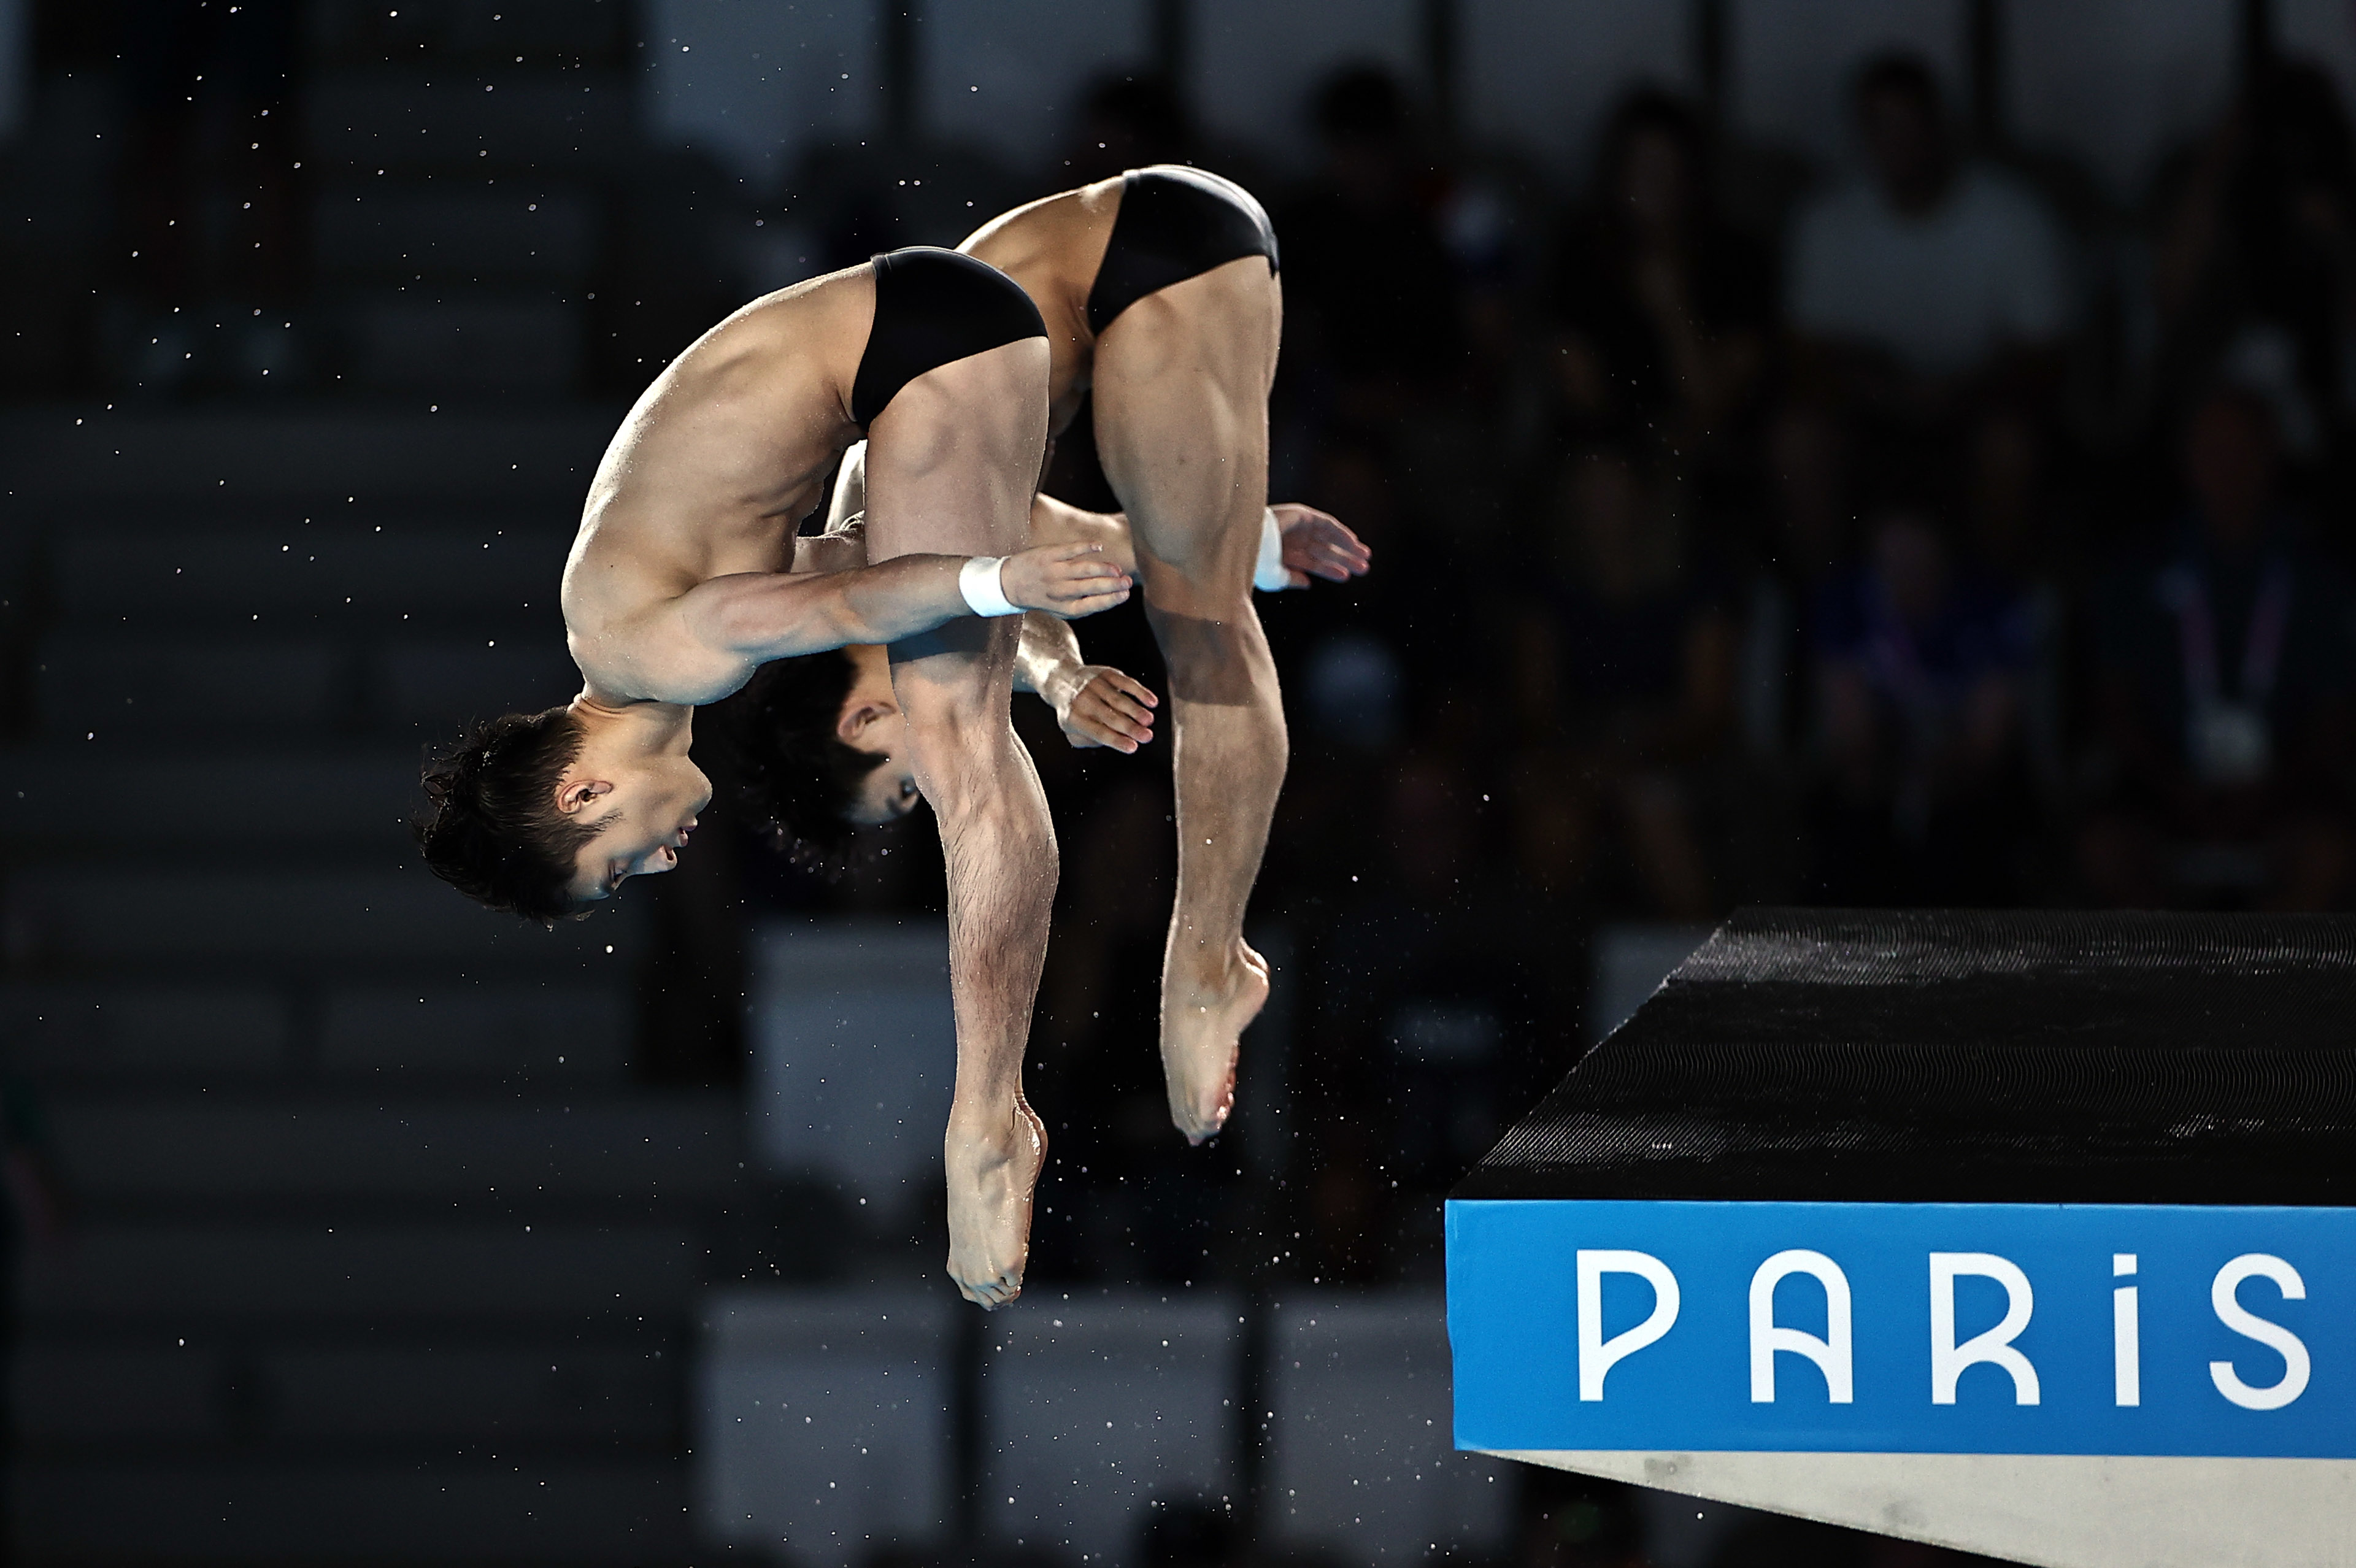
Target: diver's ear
(573, 793)
(858, 715)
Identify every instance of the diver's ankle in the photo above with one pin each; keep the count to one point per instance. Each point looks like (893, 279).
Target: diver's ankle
(993, 1130)
(1216, 969)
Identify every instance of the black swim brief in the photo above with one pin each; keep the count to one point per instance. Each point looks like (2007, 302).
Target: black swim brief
(1174, 224)
(933, 308)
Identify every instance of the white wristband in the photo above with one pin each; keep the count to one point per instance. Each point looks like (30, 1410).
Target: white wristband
(978, 580)
(1268, 574)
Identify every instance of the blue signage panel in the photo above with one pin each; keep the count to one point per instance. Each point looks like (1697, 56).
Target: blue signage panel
(1903, 1327)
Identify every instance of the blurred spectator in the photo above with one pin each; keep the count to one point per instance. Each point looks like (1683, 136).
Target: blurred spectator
(2019, 533)
(1370, 298)
(1626, 674)
(2005, 487)
(2222, 694)
(1920, 667)
(1127, 123)
(1811, 459)
(1930, 280)
(1663, 310)
(2257, 257)
(209, 89)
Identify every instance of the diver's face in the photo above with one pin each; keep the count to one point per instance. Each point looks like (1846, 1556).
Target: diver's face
(871, 723)
(643, 815)
(890, 792)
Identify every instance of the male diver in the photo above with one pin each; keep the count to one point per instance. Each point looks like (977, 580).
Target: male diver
(1159, 290)
(680, 582)
(1159, 294)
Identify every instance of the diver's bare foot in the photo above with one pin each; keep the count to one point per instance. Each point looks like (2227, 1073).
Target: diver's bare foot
(1201, 1026)
(994, 1166)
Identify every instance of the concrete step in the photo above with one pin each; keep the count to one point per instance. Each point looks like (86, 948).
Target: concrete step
(191, 1279)
(265, 1509)
(500, 573)
(221, 1393)
(62, 918)
(433, 1030)
(480, 234)
(121, 688)
(466, 343)
(475, 458)
(520, 118)
(318, 1146)
(69, 798)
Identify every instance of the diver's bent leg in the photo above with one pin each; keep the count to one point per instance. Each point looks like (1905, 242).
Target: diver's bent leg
(950, 467)
(1180, 390)
(1228, 755)
(999, 847)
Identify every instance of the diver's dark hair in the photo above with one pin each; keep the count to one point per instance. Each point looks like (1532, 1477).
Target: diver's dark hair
(495, 833)
(796, 777)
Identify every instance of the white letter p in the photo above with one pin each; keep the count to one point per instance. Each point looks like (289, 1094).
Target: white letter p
(1597, 1354)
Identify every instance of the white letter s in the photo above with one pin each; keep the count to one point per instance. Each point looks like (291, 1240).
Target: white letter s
(2273, 1336)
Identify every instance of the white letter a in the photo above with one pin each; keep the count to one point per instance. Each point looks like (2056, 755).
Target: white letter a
(1830, 1353)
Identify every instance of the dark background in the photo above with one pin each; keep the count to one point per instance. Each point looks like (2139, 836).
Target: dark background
(1729, 551)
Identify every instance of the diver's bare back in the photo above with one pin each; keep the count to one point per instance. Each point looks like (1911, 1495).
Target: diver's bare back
(706, 478)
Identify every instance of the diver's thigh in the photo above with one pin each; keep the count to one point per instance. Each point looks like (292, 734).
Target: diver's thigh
(952, 459)
(1181, 397)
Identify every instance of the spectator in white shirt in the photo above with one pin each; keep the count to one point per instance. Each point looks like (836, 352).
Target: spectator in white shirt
(1929, 278)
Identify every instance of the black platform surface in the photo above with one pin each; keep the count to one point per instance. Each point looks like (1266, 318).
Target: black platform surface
(1813, 1055)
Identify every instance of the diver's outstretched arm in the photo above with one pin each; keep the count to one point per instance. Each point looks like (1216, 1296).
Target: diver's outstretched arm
(1308, 543)
(765, 615)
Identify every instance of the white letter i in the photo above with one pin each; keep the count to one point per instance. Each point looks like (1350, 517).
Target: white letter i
(2126, 1347)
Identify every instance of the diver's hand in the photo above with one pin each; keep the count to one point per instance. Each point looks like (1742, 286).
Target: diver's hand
(1067, 580)
(1100, 706)
(1317, 544)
